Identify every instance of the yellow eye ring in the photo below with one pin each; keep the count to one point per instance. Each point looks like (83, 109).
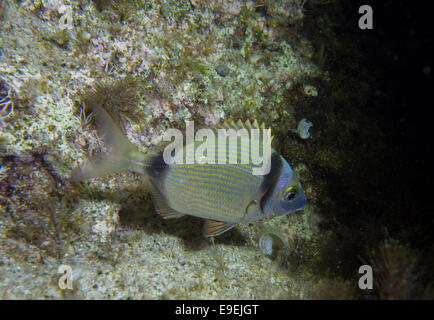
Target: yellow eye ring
(288, 193)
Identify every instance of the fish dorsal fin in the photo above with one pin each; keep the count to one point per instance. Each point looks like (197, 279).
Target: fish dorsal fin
(246, 125)
(162, 207)
(228, 124)
(242, 125)
(214, 228)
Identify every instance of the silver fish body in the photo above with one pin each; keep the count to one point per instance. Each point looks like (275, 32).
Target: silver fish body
(223, 193)
(211, 191)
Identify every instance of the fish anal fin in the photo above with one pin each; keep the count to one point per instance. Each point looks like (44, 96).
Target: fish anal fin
(213, 228)
(163, 208)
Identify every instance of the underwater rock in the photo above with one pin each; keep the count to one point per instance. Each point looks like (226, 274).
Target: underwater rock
(223, 70)
(303, 128)
(151, 69)
(273, 46)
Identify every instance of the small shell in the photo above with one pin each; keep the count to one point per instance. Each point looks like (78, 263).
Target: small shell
(303, 128)
(270, 243)
(310, 91)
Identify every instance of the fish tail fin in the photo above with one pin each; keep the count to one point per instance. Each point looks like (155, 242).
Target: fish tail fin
(123, 155)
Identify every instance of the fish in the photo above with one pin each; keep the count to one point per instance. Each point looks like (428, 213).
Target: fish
(224, 194)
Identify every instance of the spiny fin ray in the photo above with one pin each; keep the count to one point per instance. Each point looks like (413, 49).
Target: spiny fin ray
(246, 125)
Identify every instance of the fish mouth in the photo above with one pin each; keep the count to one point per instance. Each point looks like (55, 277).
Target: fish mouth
(298, 205)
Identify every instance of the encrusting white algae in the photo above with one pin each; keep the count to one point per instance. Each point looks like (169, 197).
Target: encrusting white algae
(152, 65)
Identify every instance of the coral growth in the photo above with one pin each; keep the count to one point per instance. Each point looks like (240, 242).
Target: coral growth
(36, 220)
(119, 98)
(395, 271)
(6, 101)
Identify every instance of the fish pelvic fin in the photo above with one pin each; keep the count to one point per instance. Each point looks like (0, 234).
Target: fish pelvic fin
(213, 228)
(123, 155)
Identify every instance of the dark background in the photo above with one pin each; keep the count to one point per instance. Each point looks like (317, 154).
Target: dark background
(398, 52)
(381, 88)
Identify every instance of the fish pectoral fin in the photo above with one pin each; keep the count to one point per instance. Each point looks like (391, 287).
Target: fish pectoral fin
(214, 228)
(162, 207)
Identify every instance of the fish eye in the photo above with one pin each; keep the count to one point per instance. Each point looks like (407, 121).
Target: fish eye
(289, 193)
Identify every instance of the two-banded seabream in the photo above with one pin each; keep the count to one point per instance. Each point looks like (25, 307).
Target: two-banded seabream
(224, 194)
